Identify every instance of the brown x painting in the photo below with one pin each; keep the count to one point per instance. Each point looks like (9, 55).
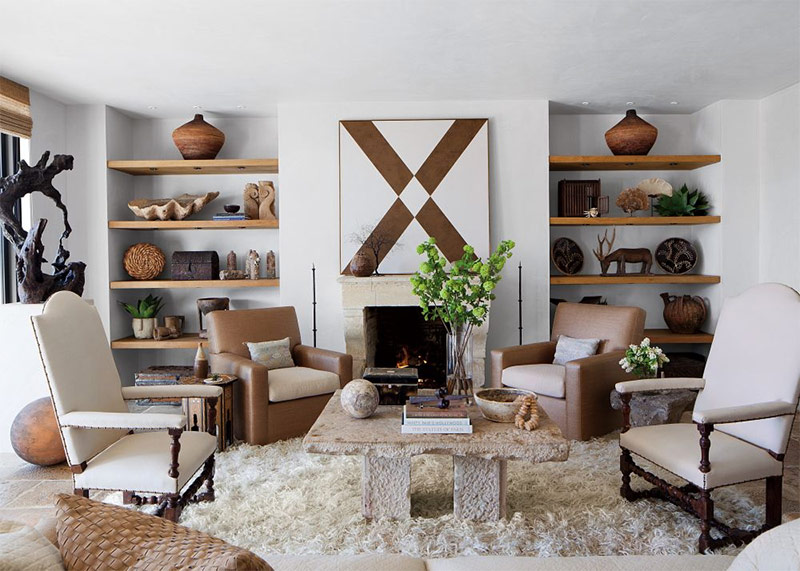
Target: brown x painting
(402, 181)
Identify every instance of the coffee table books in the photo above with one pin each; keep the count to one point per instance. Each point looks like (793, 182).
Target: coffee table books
(429, 419)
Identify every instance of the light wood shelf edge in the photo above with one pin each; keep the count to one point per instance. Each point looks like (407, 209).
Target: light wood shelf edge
(630, 162)
(185, 341)
(634, 279)
(635, 221)
(191, 224)
(194, 284)
(665, 336)
(214, 166)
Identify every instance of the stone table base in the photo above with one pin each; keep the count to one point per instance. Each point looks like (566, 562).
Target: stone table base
(656, 407)
(386, 487)
(479, 488)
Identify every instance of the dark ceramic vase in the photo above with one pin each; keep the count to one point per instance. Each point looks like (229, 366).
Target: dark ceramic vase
(198, 140)
(684, 314)
(362, 265)
(631, 136)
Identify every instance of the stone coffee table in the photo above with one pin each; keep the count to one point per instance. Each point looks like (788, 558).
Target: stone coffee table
(479, 459)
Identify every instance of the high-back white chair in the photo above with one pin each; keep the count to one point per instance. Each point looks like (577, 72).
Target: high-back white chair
(153, 465)
(743, 415)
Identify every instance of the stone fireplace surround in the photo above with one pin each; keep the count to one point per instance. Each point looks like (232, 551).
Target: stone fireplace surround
(388, 291)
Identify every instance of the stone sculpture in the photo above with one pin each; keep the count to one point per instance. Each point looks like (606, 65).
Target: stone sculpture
(270, 265)
(231, 261)
(178, 208)
(253, 266)
(33, 285)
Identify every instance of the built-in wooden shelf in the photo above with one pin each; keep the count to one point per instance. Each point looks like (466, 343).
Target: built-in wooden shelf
(185, 341)
(634, 279)
(635, 221)
(193, 284)
(665, 337)
(630, 162)
(190, 224)
(214, 166)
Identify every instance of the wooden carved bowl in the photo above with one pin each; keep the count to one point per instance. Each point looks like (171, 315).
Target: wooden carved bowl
(500, 405)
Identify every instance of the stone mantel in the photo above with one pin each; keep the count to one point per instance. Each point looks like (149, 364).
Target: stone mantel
(390, 291)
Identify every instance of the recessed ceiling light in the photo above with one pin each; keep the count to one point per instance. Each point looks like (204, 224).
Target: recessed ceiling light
(584, 103)
(673, 102)
(629, 103)
(152, 107)
(197, 106)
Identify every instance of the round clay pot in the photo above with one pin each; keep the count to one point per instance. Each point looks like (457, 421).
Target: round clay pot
(198, 140)
(143, 328)
(631, 136)
(362, 265)
(34, 434)
(684, 313)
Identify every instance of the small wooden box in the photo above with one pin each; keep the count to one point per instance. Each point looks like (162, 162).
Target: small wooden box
(573, 196)
(202, 265)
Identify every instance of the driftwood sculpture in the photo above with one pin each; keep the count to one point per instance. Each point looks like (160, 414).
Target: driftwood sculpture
(621, 256)
(33, 285)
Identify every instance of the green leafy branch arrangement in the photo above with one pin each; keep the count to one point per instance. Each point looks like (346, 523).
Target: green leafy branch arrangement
(145, 308)
(462, 295)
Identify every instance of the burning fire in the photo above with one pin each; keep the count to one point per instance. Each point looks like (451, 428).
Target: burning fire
(405, 359)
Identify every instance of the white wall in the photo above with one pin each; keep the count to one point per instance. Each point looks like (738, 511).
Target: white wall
(779, 235)
(309, 166)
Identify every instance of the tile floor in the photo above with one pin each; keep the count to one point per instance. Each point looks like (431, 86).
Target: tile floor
(27, 492)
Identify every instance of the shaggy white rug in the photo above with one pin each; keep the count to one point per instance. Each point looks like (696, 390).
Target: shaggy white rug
(278, 499)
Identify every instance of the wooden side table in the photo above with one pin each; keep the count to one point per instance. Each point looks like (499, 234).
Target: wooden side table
(197, 412)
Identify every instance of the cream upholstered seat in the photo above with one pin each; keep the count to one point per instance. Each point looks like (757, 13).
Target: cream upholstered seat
(742, 417)
(544, 379)
(96, 427)
(299, 382)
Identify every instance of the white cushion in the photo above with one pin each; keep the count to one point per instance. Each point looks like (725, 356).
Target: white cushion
(360, 562)
(676, 447)
(24, 548)
(300, 382)
(140, 462)
(543, 379)
(570, 349)
(596, 563)
(777, 550)
(272, 354)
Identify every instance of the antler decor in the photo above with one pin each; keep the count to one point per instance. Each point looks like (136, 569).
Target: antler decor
(621, 256)
(34, 286)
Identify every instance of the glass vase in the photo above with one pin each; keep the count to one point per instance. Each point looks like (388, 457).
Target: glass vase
(459, 360)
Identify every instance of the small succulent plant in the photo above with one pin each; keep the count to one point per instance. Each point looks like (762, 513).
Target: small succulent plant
(683, 202)
(145, 308)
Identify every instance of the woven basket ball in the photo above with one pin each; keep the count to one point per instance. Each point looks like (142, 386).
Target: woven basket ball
(144, 261)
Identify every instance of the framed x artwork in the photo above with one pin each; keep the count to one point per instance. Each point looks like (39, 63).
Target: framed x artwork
(406, 180)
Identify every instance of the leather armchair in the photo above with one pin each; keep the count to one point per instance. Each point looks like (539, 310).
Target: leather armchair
(281, 403)
(575, 396)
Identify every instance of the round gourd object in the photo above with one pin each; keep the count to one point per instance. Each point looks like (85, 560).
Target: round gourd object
(34, 434)
(360, 398)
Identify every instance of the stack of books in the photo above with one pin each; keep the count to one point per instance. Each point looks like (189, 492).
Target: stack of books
(229, 216)
(427, 418)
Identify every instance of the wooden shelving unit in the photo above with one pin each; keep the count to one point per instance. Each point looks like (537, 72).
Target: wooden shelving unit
(193, 284)
(635, 221)
(634, 279)
(185, 341)
(630, 162)
(191, 224)
(665, 337)
(215, 166)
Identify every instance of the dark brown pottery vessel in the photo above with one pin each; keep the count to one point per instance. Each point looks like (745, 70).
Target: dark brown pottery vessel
(362, 265)
(684, 314)
(198, 140)
(631, 136)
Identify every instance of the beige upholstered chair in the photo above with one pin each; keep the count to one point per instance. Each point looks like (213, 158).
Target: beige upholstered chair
(162, 464)
(273, 404)
(575, 396)
(742, 417)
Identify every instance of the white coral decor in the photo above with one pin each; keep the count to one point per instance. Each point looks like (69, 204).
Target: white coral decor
(643, 359)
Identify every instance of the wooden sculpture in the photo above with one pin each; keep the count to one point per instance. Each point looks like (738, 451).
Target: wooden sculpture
(33, 285)
(621, 256)
(259, 200)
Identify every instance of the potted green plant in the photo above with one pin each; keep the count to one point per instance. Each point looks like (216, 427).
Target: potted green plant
(683, 202)
(144, 315)
(460, 296)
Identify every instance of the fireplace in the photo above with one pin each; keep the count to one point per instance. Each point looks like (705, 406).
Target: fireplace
(397, 337)
(360, 294)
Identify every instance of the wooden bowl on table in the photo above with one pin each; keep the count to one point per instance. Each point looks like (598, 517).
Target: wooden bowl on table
(500, 405)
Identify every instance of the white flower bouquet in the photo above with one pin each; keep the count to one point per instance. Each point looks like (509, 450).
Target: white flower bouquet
(643, 359)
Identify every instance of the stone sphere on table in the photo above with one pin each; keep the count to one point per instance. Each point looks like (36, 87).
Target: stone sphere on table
(360, 398)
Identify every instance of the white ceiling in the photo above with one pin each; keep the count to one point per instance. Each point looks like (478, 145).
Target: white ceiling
(242, 57)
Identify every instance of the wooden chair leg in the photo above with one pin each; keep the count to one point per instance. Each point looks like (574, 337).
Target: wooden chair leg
(625, 467)
(83, 492)
(173, 509)
(706, 513)
(210, 481)
(774, 501)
